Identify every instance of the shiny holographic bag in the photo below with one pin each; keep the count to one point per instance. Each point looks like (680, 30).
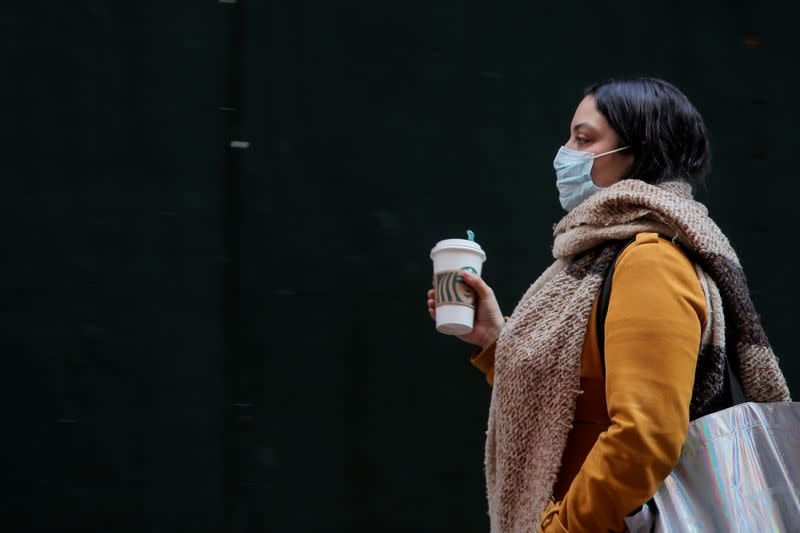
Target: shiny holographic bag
(739, 471)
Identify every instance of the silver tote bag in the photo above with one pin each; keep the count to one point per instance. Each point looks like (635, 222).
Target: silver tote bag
(739, 471)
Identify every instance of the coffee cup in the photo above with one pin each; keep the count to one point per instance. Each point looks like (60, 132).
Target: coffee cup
(455, 300)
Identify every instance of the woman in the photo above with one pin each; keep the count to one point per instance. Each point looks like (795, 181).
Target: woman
(578, 439)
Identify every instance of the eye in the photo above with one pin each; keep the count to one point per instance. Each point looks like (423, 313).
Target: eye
(580, 140)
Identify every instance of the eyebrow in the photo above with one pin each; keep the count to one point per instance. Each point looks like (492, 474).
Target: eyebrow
(585, 125)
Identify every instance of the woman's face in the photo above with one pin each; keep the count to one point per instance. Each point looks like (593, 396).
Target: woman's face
(591, 132)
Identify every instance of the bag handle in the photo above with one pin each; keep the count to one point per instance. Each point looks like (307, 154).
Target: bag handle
(736, 392)
(602, 304)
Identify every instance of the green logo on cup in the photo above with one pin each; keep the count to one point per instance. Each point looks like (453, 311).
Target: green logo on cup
(450, 288)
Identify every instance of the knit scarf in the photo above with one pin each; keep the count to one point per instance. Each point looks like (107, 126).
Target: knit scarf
(538, 354)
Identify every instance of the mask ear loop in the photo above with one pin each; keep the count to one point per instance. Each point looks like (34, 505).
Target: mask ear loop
(611, 151)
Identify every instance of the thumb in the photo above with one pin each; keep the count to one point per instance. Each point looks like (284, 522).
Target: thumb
(477, 283)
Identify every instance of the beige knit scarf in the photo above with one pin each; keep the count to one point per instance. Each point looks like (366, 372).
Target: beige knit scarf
(537, 360)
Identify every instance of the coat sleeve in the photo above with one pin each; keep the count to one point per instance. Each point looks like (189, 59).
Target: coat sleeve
(653, 328)
(483, 360)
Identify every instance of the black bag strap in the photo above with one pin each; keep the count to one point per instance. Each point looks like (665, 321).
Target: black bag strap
(602, 304)
(735, 386)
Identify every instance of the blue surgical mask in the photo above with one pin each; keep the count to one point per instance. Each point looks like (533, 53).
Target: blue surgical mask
(574, 175)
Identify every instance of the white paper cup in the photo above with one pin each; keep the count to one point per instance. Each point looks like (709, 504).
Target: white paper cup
(455, 300)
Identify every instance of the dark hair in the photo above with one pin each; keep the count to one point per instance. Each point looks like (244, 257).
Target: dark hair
(666, 133)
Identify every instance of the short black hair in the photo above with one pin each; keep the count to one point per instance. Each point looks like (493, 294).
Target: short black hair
(665, 131)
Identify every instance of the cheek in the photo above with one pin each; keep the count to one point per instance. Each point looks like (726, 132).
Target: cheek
(606, 172)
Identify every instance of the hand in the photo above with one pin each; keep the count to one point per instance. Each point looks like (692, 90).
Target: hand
(489, 319)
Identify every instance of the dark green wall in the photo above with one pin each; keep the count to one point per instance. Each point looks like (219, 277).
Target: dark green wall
(112, 300)
(201, 338)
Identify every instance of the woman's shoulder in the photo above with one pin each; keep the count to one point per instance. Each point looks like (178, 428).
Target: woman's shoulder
(652, 257)
(658, 269)
(654, 249)
(656, 262)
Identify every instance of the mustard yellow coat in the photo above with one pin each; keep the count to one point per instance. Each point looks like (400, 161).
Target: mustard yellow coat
(629, 428)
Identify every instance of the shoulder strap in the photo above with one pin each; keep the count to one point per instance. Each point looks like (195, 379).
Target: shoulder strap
(602, 304)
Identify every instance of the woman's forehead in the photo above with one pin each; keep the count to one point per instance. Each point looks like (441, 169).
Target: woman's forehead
(587, 116)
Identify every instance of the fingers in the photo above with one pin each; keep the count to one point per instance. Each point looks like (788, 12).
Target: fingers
(477, 283)
(431, 304)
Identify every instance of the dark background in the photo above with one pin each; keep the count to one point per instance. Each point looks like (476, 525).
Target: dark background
(200, 337)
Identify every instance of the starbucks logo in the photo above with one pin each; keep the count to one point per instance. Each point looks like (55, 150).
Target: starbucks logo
(450, 288)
